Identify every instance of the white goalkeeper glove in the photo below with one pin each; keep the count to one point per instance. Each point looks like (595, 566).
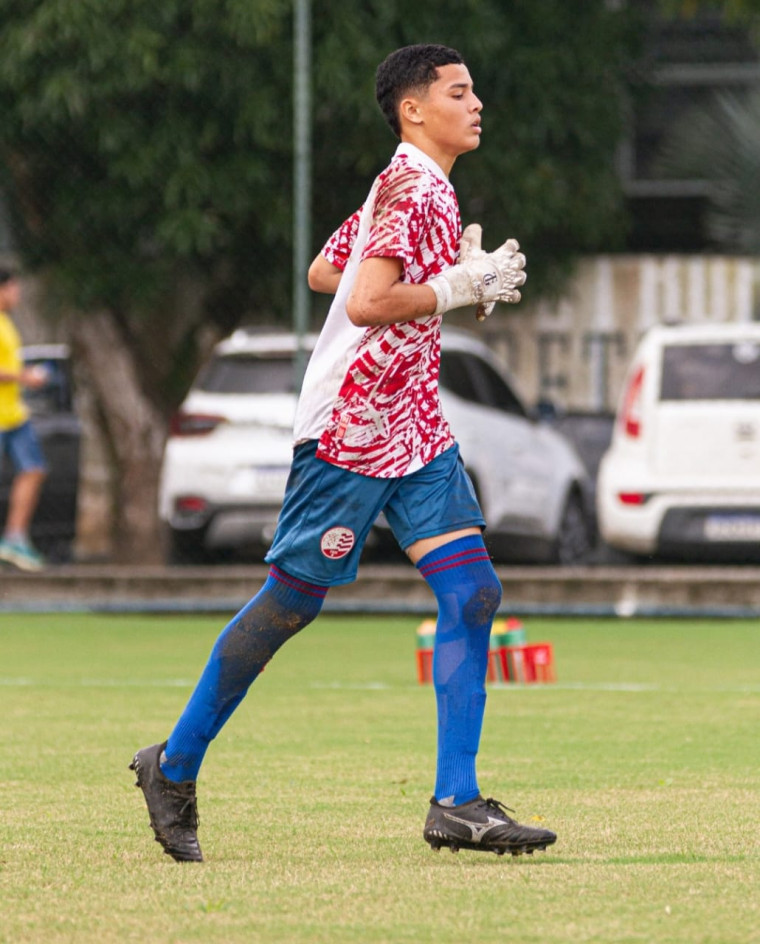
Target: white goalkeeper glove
(470, 249)
(482, 278)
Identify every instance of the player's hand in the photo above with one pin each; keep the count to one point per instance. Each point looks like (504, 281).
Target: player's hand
(486, 277)
(34, 377)
(470, 248)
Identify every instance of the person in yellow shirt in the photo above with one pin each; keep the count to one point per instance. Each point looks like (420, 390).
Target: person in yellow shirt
(18, 440)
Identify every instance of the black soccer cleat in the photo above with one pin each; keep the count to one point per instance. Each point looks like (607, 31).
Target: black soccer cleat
(482, 825)
(172, 806)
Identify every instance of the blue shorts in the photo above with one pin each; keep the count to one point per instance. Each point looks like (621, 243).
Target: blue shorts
(23, 448)
(328, 512)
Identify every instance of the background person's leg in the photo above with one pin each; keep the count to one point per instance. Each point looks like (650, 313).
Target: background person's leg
(22, 503)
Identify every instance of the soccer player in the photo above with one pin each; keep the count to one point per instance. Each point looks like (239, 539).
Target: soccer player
(370, 437)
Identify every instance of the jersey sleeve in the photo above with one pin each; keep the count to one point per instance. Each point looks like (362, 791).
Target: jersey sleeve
(401, 213)
(338, 247)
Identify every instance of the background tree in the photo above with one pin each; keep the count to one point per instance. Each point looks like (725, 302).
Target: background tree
(145, 151)
(721, 145)
(733, 9)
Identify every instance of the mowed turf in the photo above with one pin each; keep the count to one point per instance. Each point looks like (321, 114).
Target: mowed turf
(643, 757)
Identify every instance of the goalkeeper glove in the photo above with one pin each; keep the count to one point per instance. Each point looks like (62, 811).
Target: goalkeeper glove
(469, 249)
(482, 278)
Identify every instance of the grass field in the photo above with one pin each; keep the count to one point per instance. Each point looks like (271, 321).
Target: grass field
(643, 757)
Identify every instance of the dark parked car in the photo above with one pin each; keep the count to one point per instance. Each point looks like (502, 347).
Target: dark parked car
(53, 416)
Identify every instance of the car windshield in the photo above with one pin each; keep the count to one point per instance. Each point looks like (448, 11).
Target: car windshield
(711, 371)
(248, 373)
(472, 379)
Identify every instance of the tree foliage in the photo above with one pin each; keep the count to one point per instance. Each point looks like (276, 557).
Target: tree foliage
(146, 151)
(151, 142)
(721, 145)
(732, 9)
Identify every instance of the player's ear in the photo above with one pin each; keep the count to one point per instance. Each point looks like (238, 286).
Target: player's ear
(409, 110)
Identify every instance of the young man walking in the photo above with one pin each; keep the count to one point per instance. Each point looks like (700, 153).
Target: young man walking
(370, 436)
(18, 441)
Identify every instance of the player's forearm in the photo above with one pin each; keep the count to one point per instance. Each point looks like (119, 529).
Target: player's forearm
(379, 296)
(399, 302)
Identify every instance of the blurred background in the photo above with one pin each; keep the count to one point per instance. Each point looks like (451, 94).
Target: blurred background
(158, 176)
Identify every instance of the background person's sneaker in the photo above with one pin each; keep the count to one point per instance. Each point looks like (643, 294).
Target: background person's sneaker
(172, 807)
(482, 825)
(22, 555)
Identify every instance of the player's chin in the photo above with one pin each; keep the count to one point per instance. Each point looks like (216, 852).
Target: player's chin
(465, 144)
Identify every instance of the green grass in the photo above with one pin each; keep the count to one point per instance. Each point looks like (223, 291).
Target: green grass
(643, 757)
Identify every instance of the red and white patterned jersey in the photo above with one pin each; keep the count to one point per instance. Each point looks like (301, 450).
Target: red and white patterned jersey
(370, 395)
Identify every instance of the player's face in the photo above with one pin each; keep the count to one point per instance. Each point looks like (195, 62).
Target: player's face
(450, 111)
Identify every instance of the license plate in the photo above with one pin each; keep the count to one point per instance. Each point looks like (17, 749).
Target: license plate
(266, 482)
(732, 528)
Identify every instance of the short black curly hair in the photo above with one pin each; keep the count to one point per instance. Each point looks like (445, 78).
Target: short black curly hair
(408, 68)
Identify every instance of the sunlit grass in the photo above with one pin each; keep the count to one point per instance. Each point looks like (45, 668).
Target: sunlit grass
(642, 756)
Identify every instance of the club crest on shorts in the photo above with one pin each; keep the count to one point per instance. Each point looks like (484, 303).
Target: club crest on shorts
(337, 542)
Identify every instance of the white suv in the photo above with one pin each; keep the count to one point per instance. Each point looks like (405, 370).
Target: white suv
(681, 475)
(229, 451)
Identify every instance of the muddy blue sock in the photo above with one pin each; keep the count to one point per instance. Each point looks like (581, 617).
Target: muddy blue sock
(282, 607)
(468, 593)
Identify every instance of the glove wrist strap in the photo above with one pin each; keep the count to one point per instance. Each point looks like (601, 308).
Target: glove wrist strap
(443, 294)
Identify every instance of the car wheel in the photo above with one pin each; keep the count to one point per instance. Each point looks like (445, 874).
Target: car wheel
(186, 547)
(56, 551)
(573, 542)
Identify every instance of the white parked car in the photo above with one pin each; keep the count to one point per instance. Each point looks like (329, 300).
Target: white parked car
(230, 446)
(682, 475)
(228, 455)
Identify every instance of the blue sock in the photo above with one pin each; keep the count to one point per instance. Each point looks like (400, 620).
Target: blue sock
(468, 593)
(282, 607)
